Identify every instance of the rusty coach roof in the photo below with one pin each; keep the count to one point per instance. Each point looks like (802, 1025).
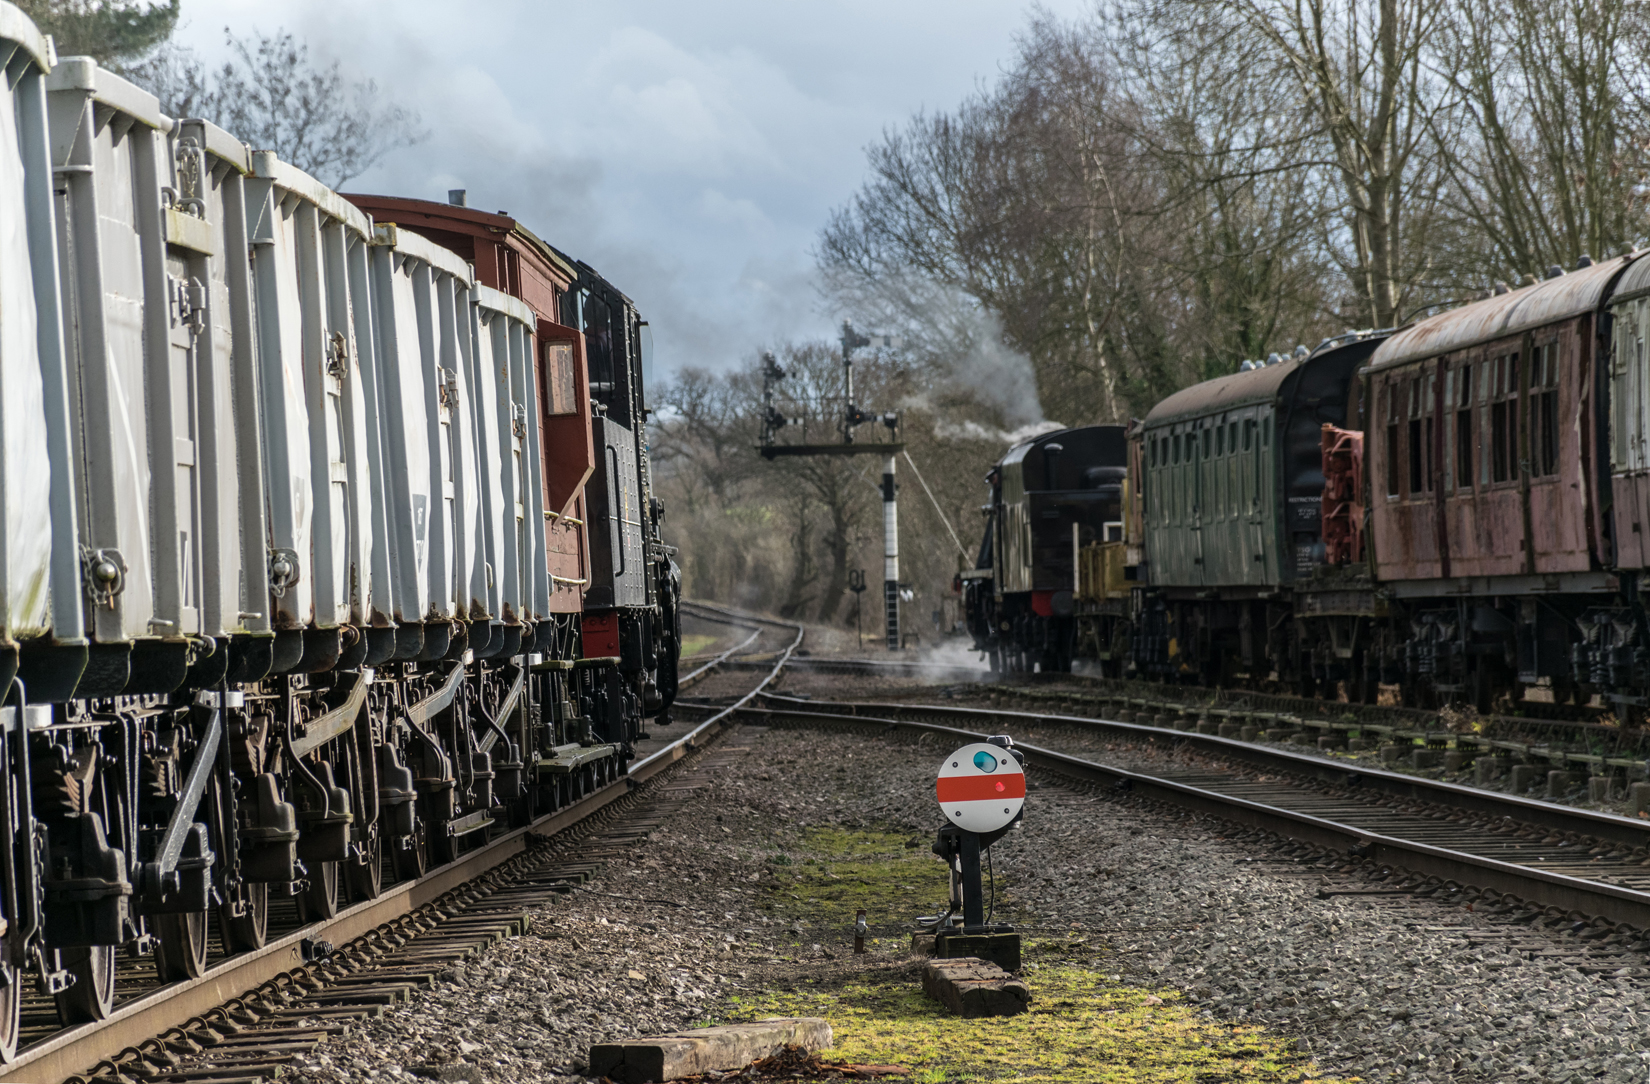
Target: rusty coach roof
(1545, 302)
(1634, 283)
(1225, 392)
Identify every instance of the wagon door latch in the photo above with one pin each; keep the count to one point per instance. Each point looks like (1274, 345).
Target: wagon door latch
(283, 571)
(188, 303)
(104, 573)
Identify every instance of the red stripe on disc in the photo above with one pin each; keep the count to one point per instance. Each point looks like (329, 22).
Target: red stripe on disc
(980, 788)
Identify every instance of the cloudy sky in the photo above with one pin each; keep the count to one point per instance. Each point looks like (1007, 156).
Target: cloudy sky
(688, 151)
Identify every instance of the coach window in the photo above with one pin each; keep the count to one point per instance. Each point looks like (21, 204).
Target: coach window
(1248, 433)
(1389, 396)
(1544, 410)
(1220, 441)
(1463, 427)
(560, 394)
(1503, 398)
(1420, 435)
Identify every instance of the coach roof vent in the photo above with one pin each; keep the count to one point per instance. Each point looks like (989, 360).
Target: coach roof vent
(1585, 261)
(1554, 271)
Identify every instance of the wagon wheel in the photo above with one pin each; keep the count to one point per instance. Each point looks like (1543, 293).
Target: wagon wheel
(319, 899)
(181, 951)
(411, 856)
(92, 994)
(250, 929)
(365, 868)
(11, 1011)
(439, 845)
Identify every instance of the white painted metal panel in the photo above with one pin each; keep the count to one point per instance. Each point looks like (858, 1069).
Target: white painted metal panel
(31, 354)
(316, 446)
(127, 432)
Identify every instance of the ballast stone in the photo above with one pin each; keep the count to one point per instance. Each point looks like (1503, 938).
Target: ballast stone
(686, 1053)
(973, 988)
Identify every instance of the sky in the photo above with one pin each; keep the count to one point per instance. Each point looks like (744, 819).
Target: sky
(689, 151)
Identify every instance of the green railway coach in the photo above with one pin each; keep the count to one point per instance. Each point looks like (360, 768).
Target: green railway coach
(1232, 480)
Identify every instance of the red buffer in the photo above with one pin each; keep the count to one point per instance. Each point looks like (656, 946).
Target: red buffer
(1343, 495)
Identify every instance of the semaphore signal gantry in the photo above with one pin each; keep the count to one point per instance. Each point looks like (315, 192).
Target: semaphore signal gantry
(852, 416)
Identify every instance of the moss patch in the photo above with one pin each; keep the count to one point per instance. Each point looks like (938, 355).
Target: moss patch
(1082, 1029)
(832, 872)
(694, 643)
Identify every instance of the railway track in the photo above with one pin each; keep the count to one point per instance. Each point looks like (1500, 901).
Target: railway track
(1569, 728)
(1591, 747)
(250, 1014)
(1517, 852)
(767, 642)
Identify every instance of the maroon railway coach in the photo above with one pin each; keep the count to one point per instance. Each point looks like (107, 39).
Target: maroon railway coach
(1489, 490)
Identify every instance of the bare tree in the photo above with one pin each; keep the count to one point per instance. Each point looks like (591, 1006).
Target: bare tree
(271, 94)
(1545, 143)
(112, 32)
(1360, 70)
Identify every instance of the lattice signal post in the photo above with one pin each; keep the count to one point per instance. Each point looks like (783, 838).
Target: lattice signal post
(852, 416)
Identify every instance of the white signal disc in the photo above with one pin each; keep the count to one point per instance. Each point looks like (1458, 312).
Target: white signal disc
(980, 788)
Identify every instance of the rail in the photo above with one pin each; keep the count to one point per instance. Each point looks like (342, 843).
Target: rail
(140, 1020)
(1623, 839)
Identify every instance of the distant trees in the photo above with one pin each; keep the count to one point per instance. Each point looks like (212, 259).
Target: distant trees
(1149, 195)
(783, 534)
(270, 92)
(114, 32)
(273, 95)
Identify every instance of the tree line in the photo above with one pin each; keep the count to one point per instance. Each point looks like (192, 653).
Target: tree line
(1143, 198)
(1153, 193)
(269, 92)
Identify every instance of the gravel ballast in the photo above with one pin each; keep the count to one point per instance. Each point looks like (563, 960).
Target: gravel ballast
(1377, 987)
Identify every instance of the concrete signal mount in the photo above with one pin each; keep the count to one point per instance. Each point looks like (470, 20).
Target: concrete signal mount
(981, 790)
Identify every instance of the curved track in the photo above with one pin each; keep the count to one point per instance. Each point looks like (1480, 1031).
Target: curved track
(1550, 856)
(705, 612)
(137, 1040)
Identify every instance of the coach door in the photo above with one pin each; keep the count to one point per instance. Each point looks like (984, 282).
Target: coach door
(1250, 552)
(1197, 450)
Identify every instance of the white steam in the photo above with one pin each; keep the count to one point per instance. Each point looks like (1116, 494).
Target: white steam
(959, 343)
(967, 430)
